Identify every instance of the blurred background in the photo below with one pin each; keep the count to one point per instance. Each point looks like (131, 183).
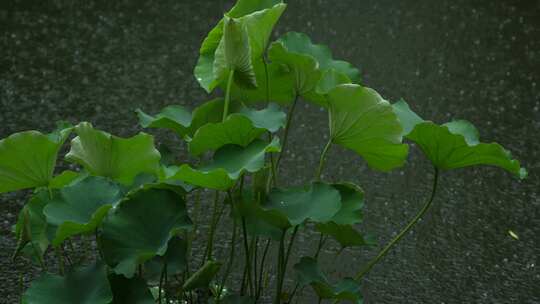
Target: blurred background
(98, 61)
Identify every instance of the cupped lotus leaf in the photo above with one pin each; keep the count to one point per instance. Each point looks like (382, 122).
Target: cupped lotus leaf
(448, 150)
(309, 273)
(80, 207)
(300, 43)
(260, 221)
(259, 18)
(279, 87)
(174, 117)
(140, 228)
(237, 129)
(27, 159)
(117, 158)
(361, 120)
(85, 285)
(228, 164)
(202, 277)
(65, 178)
(31, 229)
(270, 118)
(455, 144)
(317, 202)
(175, 257)
(130, 291)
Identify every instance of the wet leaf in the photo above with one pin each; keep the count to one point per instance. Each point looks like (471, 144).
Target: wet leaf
(361, 120)
(85, 285)
(117, 158)
(140, 228)
(27, 159)
(80, 207)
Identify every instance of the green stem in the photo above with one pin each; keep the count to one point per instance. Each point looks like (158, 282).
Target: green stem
(323, 159)
(267, 80)
(228, 95)
(213, 224)
(289, 248)
(161, 279)
(281, 256)
(248, 257)
(261, 270)
(286, 131)
(407, 228)
(255, 259)
(322, 240)
(231, 261)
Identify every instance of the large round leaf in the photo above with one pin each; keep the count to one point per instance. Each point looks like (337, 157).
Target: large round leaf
(117, 158)
(141, 226)
(130, 291)
(227, 165)
(258, 17)
(317, 202)
(80, 207)
(309, 273)
(455, 144)
(27, 159)
(87, 285)
(361, 120)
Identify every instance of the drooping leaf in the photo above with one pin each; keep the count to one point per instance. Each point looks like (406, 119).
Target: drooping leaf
(130, 291)
(309, 273)
(141, 226)
(65, 178)
(31, 228)
(345, 235)
(317, 202)
(86, 285)
(258, 17)
(361, 120)
(233, 54)
(270, 118)
(117, 158)
(455, 144)
(227, 165)
(202, 277)
(80, 207)
(175, 257)
(236, 129)
(175, 117)
(27, 159)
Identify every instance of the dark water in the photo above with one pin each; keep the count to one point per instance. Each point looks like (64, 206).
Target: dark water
(478, 60)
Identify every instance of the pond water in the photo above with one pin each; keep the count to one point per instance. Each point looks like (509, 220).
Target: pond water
(477, 60)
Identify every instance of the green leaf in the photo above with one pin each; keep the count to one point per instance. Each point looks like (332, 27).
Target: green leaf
(361, 120)
(236, 129)
(141, 226)
(118, 158)
(27, 159)
(80, 207)
(175, 117)
(86, 285)
(308, 273)
(300, 43)
(317, 202)
(203, 276)
(175, 257)
(227, 165)
(448, 150)
(31, 229)
(65, 178)
(269, 118)
(259, 18)
(234, 54)
(130, 291)
(455, 144)
(345, 235)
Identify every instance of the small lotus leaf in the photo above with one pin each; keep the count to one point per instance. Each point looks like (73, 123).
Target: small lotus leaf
(79, 208)
(117, 158)
(141, 226)
(27, 159)
(361, 120)
(86, 285)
